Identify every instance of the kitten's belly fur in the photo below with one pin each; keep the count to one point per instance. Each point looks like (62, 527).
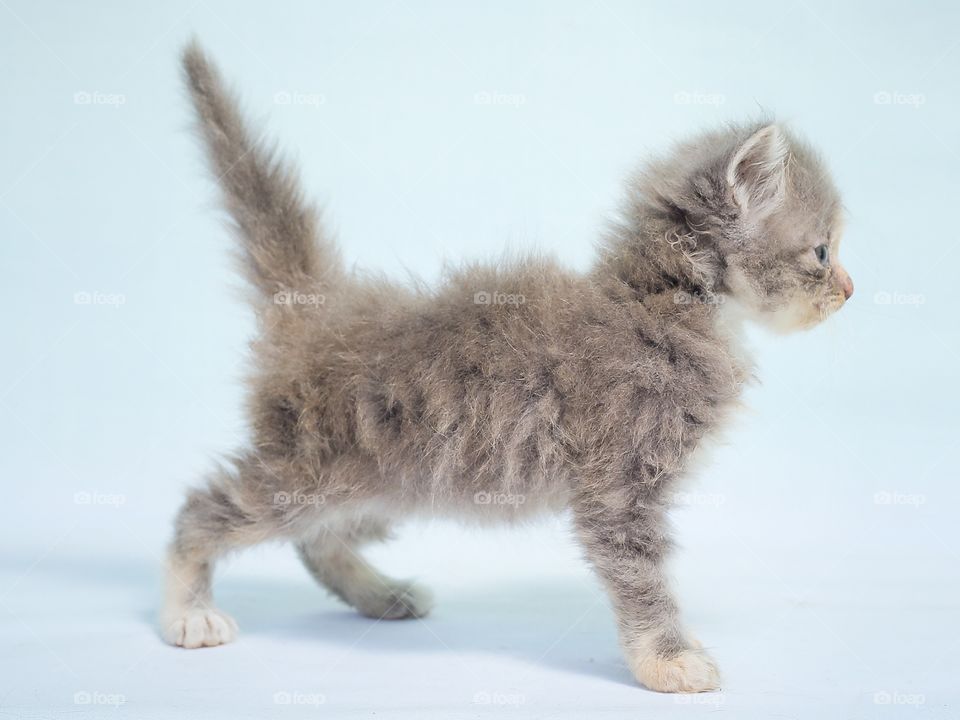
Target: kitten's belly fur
(513, 499)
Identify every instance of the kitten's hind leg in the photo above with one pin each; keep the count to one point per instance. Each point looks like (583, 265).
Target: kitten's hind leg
(332, 557)
(228, 514)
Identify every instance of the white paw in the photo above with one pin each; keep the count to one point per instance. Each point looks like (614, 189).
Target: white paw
(396, 601)
(199, 627)
(690, 671)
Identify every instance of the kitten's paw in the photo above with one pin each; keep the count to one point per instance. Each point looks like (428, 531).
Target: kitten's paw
(396, 600)
(690, 671)
(199, 627)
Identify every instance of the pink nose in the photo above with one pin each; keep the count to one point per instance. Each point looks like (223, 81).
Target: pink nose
(845, 283)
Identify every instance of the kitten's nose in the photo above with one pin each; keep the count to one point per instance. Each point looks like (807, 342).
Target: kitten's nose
(846, 284)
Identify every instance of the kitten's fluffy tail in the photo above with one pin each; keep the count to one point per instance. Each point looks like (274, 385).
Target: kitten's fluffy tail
(284, 249)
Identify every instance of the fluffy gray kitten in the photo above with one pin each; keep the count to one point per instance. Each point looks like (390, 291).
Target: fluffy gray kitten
(372, 401)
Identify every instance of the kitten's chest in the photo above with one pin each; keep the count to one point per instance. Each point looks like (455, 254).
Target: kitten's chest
(721, 393)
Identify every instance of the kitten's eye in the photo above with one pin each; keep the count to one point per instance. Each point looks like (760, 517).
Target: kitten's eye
(823, 254)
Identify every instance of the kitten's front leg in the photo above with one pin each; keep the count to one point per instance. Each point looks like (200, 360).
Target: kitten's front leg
(627, 541)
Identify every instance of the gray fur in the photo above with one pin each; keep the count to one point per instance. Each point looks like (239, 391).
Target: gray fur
(376, 401)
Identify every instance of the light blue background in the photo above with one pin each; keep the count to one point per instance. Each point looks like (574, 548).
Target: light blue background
(821, 545)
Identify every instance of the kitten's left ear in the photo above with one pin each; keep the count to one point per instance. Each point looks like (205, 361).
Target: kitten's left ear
(756, 174)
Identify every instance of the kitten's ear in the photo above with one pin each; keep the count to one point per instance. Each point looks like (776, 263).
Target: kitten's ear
(756, 174)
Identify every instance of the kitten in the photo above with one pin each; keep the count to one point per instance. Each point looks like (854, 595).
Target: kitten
(509, 390)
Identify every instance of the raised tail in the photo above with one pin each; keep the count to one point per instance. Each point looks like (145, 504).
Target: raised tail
(283, 247)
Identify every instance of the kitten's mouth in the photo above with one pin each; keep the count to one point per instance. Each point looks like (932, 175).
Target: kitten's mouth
(827, 308)
(816, 313)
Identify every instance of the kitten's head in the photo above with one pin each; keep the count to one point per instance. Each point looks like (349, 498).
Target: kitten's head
(766, 204)
(781, 239)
